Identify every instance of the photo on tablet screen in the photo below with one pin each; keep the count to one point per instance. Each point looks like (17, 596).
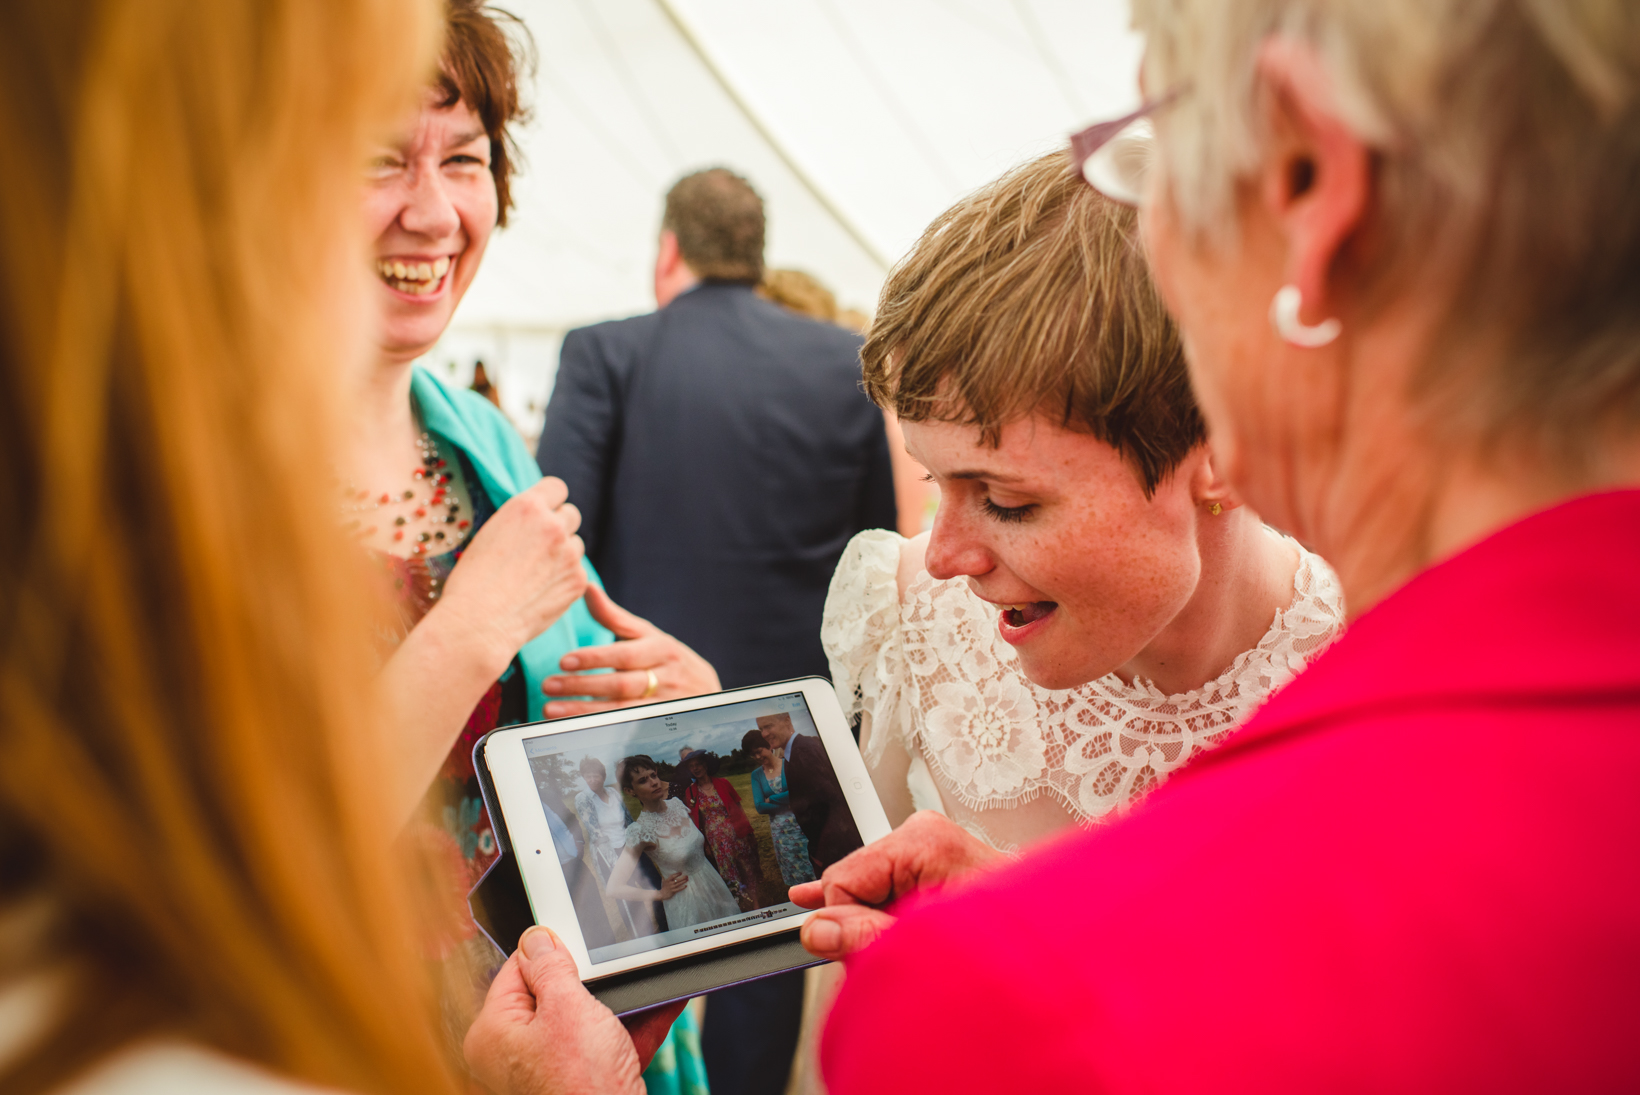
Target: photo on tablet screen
(675, 827)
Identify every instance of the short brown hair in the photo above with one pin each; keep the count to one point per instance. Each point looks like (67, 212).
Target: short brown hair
(484, 49)
(718, 219)
(1031, 295)
(632, 767)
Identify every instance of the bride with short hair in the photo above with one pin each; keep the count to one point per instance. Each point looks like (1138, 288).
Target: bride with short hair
(1094, 606)
(693, 891)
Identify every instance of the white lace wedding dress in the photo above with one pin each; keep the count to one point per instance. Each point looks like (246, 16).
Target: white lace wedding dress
(950, 722)
(679, 846)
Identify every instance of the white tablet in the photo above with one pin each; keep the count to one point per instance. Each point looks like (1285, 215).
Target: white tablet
(654, 833)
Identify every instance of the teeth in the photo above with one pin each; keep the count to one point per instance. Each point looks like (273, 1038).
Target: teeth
(413, 277)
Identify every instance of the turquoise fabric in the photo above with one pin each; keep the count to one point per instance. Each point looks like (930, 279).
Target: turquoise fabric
(677, 1068)
(764, 797)
(474, 425)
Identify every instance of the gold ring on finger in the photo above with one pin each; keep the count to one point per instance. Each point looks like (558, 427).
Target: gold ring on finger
(654, 685)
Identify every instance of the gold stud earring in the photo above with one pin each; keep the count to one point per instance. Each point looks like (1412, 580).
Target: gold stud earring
(1215, 509)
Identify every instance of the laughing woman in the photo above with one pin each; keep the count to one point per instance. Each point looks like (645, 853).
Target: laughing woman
(479, 551)
(438, 475)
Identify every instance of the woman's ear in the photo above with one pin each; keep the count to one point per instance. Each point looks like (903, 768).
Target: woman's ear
(1316, 179)
(1208, 489)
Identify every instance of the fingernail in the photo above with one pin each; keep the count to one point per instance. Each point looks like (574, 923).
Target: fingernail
(537, 941)
(569, 661)
(552, 684)
(823, 935)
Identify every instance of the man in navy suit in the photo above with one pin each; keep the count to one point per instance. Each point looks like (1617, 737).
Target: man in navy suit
(722, 454)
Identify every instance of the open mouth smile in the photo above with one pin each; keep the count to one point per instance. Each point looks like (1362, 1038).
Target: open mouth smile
(418, 279)
(1017, 622)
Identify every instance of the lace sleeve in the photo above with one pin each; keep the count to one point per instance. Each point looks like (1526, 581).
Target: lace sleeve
(641, 831)
(861, 633)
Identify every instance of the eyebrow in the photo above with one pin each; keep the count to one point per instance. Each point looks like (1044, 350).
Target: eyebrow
(991, 476)
(467, 138)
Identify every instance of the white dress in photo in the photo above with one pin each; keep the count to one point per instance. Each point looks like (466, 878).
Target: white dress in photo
(679, 846)
(605, 821)
(950, 722)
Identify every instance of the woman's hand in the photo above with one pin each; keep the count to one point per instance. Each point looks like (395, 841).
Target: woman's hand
(928, 850)
(519, 574)
(541, 1033)
(673, 884)
(644, 649)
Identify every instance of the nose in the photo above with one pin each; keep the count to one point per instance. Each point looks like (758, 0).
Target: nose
(428, 210)
(954, 548)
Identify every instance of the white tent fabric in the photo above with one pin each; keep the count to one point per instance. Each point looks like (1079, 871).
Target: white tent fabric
(857, 120)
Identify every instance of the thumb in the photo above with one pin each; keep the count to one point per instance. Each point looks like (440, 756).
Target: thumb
(843, 930)
(623, 623)
(548, 970)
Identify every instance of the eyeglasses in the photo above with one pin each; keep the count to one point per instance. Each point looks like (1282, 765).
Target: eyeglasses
(1115, 156)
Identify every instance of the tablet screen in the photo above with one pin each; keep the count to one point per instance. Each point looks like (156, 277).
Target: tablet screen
(678, 827)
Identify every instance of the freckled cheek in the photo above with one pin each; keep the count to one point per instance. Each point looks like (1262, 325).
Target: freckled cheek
(1130, 582)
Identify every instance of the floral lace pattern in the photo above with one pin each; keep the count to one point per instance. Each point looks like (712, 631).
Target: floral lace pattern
(936, 679)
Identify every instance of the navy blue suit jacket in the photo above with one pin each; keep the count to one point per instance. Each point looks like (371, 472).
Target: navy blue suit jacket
(722, 454)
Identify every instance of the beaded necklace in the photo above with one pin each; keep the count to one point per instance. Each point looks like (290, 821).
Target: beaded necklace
(435, 521)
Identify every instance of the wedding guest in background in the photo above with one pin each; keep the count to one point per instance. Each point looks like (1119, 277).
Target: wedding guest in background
(816, 798)
(800, 292)
(719, 449)
(714, 807)
(604, 817)
(483, 385)
(681, 779)
(772, 798)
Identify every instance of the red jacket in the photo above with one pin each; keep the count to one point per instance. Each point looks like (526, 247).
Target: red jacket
(731, 805)
(1416, 869)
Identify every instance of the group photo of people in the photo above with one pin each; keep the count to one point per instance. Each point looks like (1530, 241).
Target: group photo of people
(722, 824)
(1198, 441)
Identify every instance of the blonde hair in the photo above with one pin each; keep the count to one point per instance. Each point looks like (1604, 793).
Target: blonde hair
(184, 683)
(1507, 141)
(799, 292)
(1031, 295)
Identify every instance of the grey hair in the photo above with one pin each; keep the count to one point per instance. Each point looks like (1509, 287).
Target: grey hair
(1507, 142)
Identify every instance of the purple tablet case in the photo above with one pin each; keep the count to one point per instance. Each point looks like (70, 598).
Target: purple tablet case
(501, 908)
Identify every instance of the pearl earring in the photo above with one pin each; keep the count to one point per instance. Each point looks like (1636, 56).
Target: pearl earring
(1284, 318)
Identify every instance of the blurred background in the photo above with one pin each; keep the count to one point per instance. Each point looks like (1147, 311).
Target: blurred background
(859, 121)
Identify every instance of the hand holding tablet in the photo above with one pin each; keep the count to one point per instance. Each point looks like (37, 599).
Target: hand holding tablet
(629, 832)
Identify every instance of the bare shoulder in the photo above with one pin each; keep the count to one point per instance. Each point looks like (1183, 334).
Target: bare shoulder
(912, 552)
